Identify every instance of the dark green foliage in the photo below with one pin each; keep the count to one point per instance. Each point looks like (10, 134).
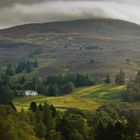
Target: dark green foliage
(41, 88)
(120, 77)
(36, 85)
(116, 128)
(40, 108)
(26, 66)
(22, 80)
(65, 84)
(5, 92)
(99, 132)
(75, 111)
(45, 123)
(83, 80)
(73, 126)
(117, 131)
(108, 79)
(53, 135)
(77, 79)
(9, 70)
(132, 92)
(75, 135)
(68, 88)
(20, 67)
(28, 85)
(53, 110)
(12, 106)
(47, 117)
(133, 128)
(35, 63)
(53, 90)
(51, 86)
(40, 130)
(33, 107)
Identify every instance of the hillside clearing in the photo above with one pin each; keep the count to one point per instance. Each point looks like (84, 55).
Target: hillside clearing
(86, 98)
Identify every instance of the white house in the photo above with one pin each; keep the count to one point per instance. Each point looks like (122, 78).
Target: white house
(31, 93)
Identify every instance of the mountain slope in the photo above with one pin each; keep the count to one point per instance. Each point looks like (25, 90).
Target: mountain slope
(96, 46)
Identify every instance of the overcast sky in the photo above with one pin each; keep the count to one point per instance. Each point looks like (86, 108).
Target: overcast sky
(16, 12)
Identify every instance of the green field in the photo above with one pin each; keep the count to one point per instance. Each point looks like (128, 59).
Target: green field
(86, 98)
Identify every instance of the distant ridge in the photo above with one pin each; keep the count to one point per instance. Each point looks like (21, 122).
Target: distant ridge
(90, 26)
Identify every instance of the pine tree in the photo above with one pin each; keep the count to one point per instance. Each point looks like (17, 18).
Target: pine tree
(28, 66)
(20, 67)
(108, 79)
(33, 107)
(120, 77)
(35, 63)
(22, 80)
(9, 70)
(5, 94)
(40, 108)
(48, 119)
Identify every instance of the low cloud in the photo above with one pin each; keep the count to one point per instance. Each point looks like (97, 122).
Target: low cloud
(46, 11)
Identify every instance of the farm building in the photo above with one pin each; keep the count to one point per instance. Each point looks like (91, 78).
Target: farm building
(31, 93)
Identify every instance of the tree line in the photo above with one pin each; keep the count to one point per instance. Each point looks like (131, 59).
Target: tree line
(50, 86)
(53, 85)
(132, 91)
(44, 122)
(26, 66)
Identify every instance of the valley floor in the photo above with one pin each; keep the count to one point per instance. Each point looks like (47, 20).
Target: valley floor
(85, 98)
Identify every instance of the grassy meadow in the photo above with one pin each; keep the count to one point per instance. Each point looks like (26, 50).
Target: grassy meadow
(86, 98)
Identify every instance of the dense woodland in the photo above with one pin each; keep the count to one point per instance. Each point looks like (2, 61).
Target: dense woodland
(44, 122)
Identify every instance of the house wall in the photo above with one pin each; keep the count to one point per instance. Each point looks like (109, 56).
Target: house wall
(30, 93)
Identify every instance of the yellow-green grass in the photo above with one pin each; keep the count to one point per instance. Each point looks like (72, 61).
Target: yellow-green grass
(86, 98)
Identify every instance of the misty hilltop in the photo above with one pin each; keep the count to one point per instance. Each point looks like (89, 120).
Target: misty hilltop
(17, 12)
(84, 46)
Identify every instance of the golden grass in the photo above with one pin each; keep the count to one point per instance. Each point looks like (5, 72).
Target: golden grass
(82, 98)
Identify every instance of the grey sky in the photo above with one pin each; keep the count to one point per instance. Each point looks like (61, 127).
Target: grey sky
(15, 12)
